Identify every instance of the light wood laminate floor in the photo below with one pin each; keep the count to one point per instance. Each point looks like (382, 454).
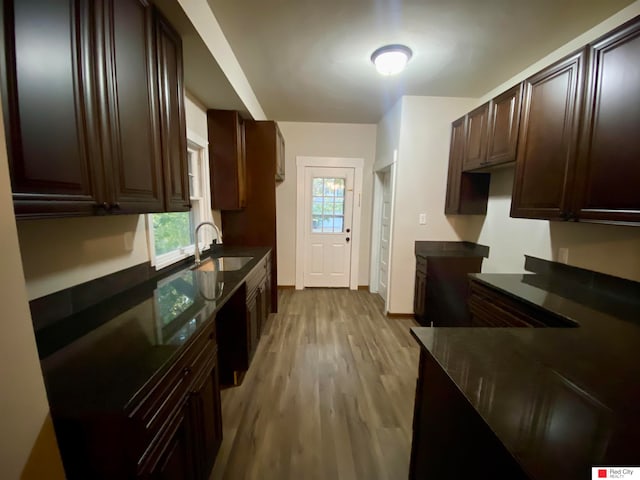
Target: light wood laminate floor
(329, 394)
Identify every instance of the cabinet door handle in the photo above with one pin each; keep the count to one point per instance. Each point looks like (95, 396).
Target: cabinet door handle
(115, 205)
(105, 205)
(186, 371)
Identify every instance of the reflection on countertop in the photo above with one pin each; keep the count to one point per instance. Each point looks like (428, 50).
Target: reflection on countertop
(559, 399)
(103, 355)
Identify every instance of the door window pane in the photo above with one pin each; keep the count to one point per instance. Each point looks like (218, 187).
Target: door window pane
(317, 187)
(316, 208)
(327, 207)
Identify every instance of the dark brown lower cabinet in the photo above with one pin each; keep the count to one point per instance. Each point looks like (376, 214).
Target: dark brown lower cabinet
(171, 429)
(206, 420)
(491, 308)
(240, 323)
(173, 458)
(189, 447)
(257, 312)
(420, 292)
(442, 289)
(451, 441)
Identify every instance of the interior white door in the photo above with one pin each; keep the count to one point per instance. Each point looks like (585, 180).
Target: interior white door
(328, 222)
(385, 234)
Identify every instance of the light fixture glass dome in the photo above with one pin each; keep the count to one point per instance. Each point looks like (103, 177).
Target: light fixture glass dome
(391, 59)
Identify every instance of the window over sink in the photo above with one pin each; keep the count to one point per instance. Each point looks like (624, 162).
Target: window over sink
(170, 235)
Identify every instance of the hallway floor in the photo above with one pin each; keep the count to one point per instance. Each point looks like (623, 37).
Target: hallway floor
(329, 394)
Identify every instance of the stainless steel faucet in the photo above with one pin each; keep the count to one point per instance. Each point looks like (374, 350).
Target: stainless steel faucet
(195, 238)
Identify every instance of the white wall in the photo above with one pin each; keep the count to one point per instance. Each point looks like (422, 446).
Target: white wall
(60, 253)
(388, 136)
(605, 248)
(28, 447)
(610, 249)
(423, 159)
(322, 140)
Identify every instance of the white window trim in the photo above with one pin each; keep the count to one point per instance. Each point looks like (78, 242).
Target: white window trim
(199, 146)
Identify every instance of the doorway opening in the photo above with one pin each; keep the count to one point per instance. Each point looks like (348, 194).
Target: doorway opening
(328, 222)
(382, 232)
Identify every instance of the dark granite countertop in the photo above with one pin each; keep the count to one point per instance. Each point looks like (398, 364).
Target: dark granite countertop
(559, 399)
(134, 335)
(450, 249)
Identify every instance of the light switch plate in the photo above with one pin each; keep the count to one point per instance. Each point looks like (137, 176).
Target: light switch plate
(422, 219)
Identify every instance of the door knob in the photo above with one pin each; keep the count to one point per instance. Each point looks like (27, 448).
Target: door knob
(348, 239)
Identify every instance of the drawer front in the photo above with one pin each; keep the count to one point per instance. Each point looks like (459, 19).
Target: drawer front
(491, 307)
(151, 414)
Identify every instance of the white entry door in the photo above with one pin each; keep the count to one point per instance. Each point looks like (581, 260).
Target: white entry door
(385, 234)
(327, 229)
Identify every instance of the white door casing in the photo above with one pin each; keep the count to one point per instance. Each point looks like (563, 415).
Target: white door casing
(327, 229)
(383, 201)
(356, 165)
(385, 235)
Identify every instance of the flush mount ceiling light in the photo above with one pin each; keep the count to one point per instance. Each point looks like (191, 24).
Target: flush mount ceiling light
(391, 59)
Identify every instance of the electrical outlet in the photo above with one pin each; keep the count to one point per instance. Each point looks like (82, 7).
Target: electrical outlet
(422, 219)
(563, 255)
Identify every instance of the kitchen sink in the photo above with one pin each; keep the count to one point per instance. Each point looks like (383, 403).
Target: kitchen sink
(223, 264)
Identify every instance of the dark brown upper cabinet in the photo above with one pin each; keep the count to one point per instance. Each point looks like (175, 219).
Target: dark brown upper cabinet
(504, 125)
(81, 106)
(551, 108)
(467, 193)
(172, 116)
(227, 162)
(475, 151)
(608, 168)
(50, 120)
(129, 102)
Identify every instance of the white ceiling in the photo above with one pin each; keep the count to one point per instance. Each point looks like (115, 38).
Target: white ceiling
(308, 60)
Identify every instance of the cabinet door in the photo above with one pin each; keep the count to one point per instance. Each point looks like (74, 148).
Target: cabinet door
(608, 167)
(206, 421)
(227, 162)
(476, 138)
(548, 139)
(170, 78)
(48, 108)
(504, 124)
(172, 458)
(133, 152)
(467, 193)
